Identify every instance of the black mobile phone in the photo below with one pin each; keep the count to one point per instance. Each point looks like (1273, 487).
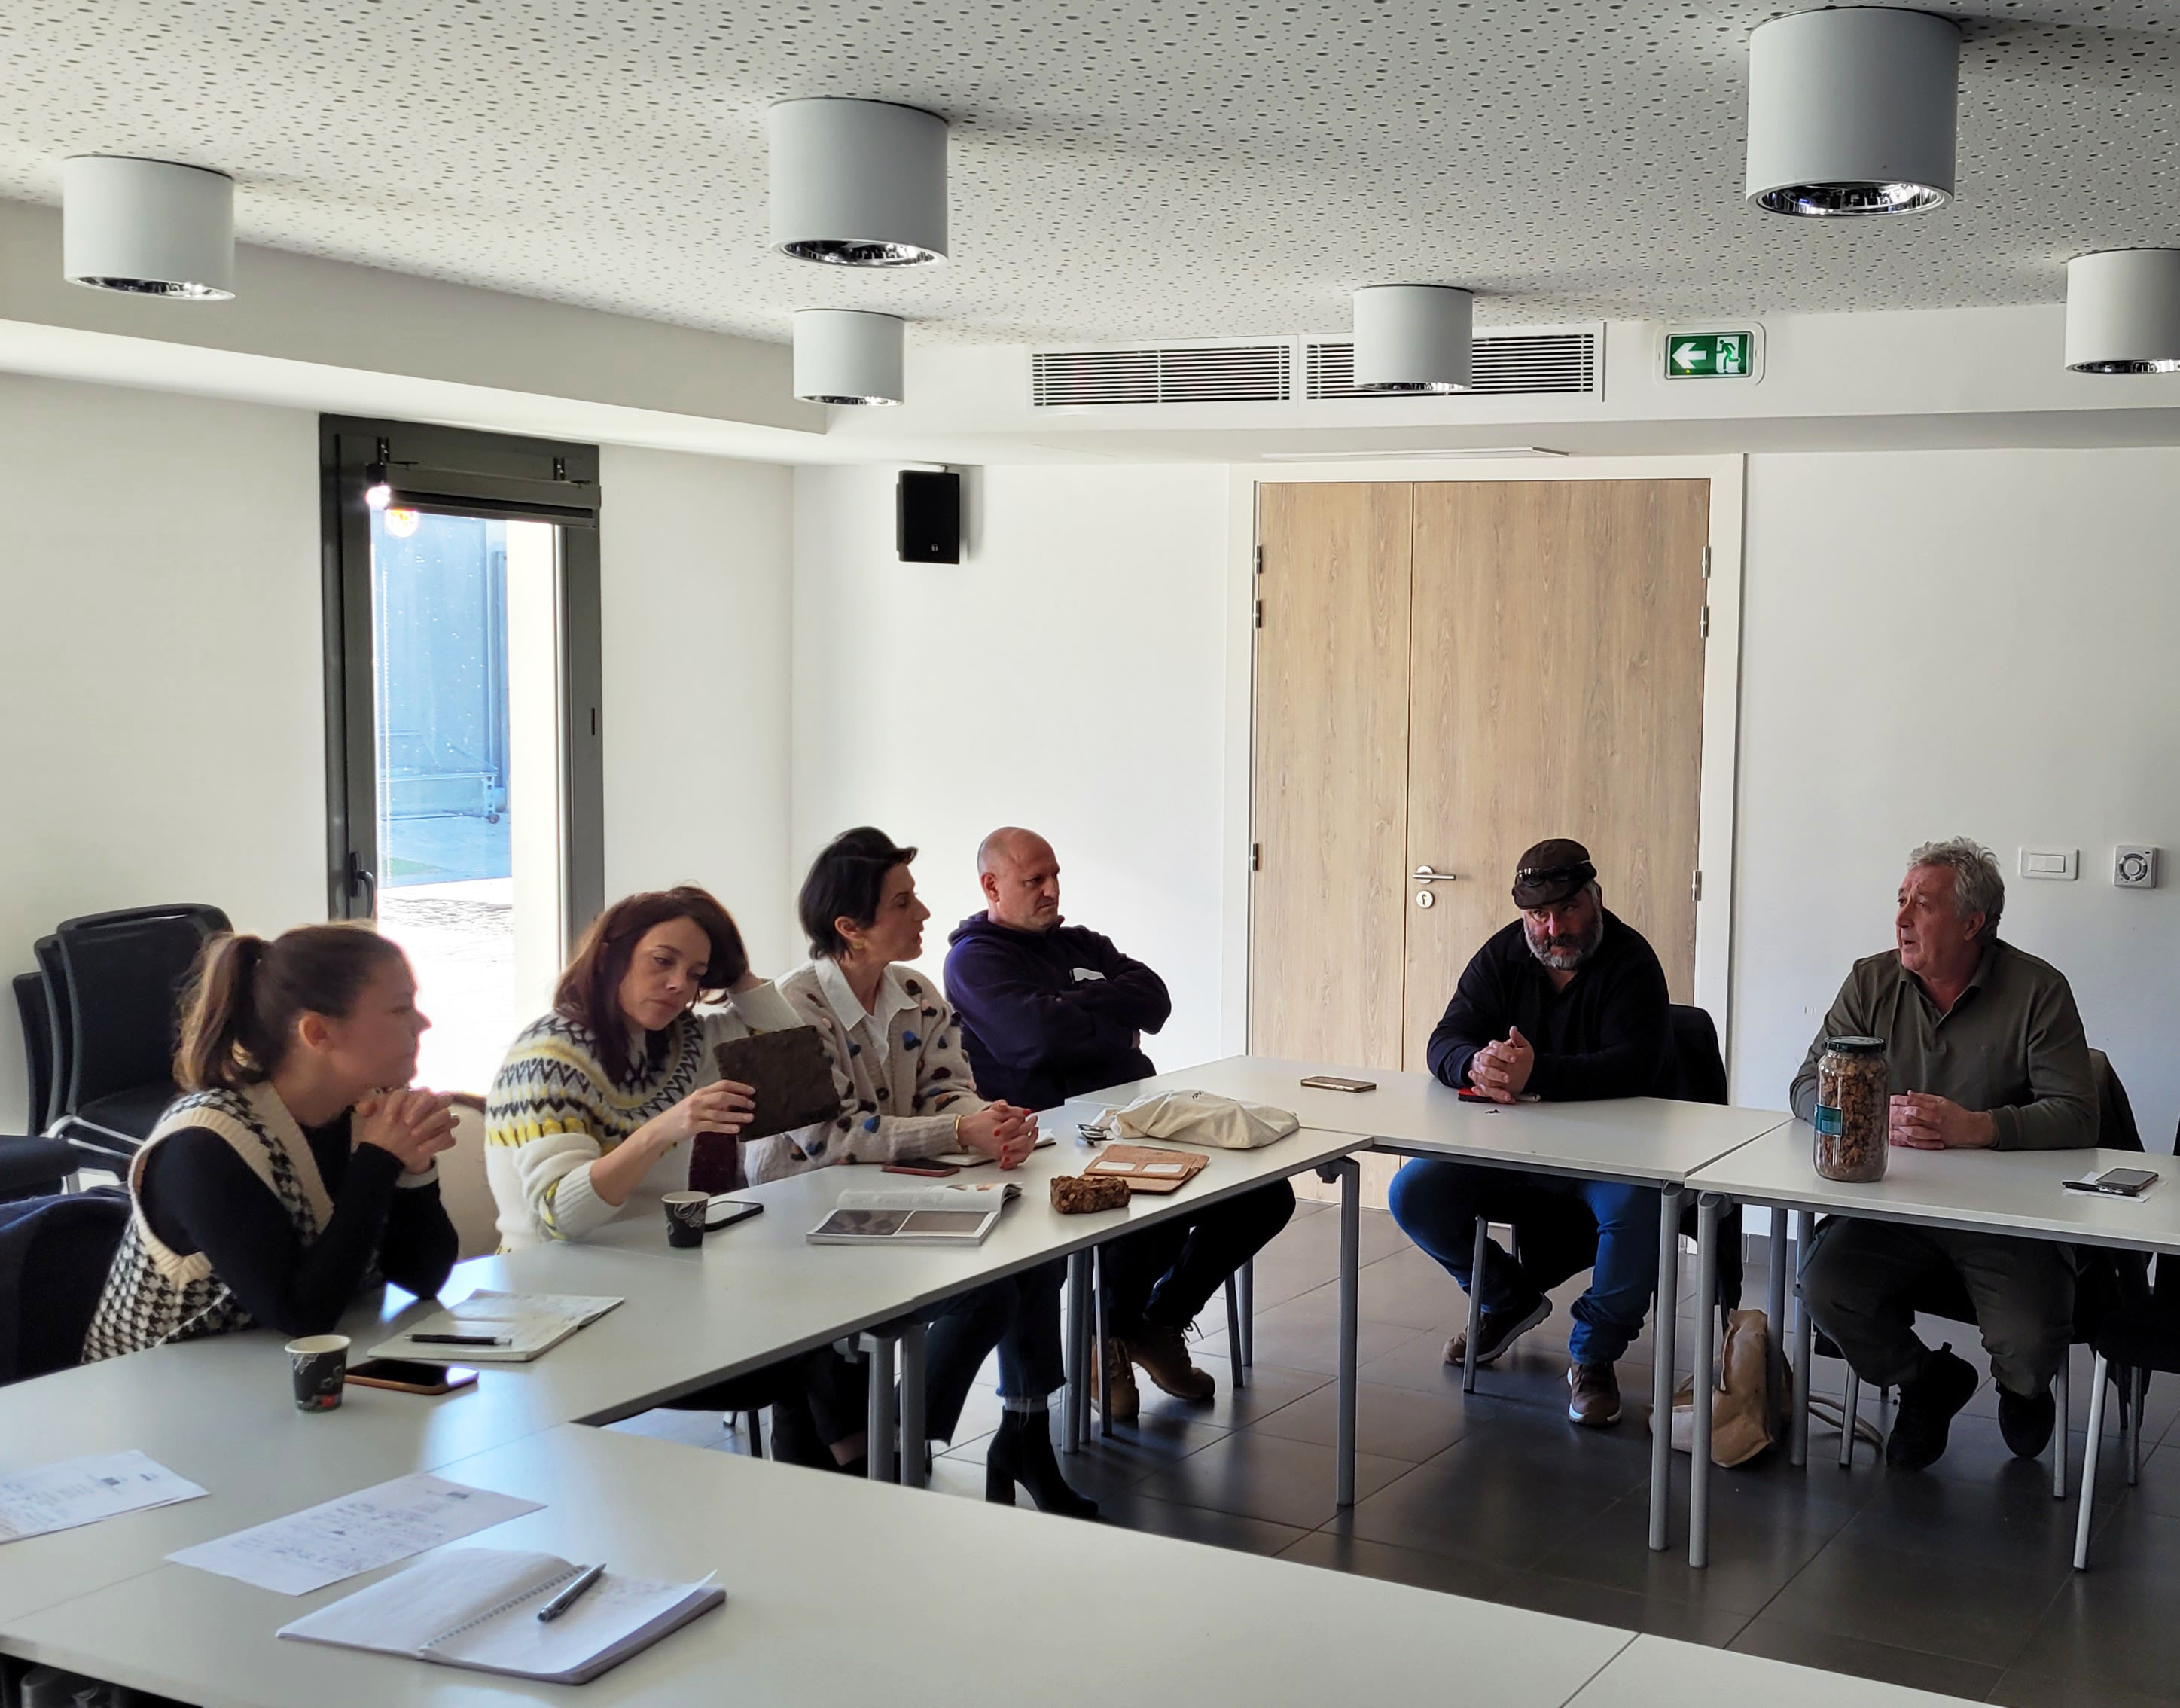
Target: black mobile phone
(736, 1209)
(1332, 1081)
(2117, 1182)
(410, 1376)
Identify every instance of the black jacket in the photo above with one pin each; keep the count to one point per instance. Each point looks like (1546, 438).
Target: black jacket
(1039, 1032)
(1608, 1035)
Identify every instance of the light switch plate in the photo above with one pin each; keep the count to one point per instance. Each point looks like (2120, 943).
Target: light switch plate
(2061, 864)
(2134, 867)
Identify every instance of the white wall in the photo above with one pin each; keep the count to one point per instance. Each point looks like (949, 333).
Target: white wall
(1978, 643)
(697, 568)
(161, 712)
(1070, 675)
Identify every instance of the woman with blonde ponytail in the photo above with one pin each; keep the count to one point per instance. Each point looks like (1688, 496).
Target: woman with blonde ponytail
(296, 1169)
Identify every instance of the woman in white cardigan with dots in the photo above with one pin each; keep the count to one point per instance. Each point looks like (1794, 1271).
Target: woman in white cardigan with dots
(907, 1092)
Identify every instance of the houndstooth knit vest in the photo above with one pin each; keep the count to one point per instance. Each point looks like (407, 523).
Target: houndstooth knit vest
(154, 1294)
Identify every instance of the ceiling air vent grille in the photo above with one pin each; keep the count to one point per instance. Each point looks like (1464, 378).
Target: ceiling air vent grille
(1230, 373)
(1540, 361)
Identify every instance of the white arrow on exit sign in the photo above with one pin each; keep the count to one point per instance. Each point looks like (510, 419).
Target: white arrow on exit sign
(1689, 355)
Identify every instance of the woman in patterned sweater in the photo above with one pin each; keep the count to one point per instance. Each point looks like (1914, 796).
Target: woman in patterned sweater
(288, 1177)
(593, 1114)
(907, 1092)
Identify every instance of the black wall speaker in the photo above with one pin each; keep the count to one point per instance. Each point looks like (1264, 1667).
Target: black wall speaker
(928, 512)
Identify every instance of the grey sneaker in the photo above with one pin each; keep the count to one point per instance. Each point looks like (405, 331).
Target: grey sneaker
(1496, 1330)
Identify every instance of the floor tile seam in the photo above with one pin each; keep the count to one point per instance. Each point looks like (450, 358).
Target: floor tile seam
(2000, 1668)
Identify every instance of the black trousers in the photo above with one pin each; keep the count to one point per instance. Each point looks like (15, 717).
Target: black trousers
(1164, 1275)
(817, 1399)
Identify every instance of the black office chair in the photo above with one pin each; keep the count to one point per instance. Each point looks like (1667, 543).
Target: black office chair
(2104, 1282)
(54, 1256)
(1699, 1076)
(36, 1015)
(123, 974)
(2141, 1333)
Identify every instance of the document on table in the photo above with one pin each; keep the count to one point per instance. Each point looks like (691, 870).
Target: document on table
(70, 1492)
(530, 1324)
(374, 1527)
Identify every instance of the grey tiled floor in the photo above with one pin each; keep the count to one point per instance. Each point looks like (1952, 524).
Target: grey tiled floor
(1955, 1580)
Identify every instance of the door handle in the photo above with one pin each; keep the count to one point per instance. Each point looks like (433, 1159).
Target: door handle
(360, 876)
(1423, 875)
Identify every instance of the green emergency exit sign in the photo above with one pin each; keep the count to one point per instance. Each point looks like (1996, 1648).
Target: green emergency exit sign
(1710, 355)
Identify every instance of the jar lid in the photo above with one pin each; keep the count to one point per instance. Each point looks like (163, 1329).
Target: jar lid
(1856, 1046)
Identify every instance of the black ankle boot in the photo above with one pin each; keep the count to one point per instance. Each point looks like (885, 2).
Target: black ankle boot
(1022, 1452)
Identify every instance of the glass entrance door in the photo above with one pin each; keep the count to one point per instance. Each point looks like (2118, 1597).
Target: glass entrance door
(466, 711)
(462, 674)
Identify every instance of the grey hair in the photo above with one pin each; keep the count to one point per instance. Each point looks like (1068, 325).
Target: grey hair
(1979, 887)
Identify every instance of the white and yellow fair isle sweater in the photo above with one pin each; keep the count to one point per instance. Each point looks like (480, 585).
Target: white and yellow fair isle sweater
(555, 1110)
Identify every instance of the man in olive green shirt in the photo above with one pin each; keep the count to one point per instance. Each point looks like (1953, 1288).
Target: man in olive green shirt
(1985, 1050)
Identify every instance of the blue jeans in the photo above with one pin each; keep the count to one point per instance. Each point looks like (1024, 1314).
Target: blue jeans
(1020, 1316)
(1563, 1226)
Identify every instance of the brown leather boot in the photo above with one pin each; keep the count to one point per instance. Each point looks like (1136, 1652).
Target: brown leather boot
(1163, 1354)
(1114, 1385)
(1593, 1395)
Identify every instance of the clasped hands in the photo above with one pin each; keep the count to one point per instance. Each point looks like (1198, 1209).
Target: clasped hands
(1921, 1122)
(413, 1124)
(1502, 1068)
(1004, 1132)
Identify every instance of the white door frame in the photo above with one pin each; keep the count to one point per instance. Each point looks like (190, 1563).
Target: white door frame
(1721, 722)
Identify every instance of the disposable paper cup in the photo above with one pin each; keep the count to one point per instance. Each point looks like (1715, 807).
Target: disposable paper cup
(686, 1213)
(319, 1365)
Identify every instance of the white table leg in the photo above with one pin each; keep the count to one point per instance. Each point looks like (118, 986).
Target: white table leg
(1075, 1419)
(1707, 1209)
(1667, 1316)
(1349, 1173)
(1475, 1305)
(912, 1404)
(1776, 1300)
(879, 1420)
(1798, 1426)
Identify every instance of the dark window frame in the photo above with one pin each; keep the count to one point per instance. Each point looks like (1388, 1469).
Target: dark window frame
(458, 472)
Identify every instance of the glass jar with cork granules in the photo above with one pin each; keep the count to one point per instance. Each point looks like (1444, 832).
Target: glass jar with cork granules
(1853, 1093)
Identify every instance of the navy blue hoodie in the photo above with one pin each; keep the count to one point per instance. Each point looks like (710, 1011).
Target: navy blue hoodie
(1039, 1031)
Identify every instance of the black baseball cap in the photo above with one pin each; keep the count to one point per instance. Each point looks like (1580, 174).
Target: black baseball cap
(1551, 872)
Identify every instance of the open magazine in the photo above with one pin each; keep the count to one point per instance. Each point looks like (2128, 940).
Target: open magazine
(915, 1214)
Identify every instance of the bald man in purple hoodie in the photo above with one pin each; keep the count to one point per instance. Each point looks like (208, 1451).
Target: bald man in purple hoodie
(1050, 1011)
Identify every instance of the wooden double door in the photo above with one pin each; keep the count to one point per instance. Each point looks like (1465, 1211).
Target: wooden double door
(1445, 673)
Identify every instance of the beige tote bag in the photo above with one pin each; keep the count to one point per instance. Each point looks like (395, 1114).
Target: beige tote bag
(1196, 1119)
(1742, 1412)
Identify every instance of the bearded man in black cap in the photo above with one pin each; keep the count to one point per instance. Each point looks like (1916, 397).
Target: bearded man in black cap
(1567, 1002)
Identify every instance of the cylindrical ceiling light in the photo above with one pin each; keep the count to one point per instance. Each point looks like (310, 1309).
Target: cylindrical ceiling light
(1852, 111)
(847, 356)
(1412, 338)
(2123, 311)
(858, 183)
(148, 227)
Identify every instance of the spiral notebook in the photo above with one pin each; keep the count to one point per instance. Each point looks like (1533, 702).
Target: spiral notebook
(477, 1607)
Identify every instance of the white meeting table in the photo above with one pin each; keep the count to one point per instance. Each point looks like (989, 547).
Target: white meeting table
(1646, 1141)
(841, 1591)
(2012, 1192)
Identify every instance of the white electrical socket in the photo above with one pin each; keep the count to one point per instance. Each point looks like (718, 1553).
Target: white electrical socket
(2134, 867)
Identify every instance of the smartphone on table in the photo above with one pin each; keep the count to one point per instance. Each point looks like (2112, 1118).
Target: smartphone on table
(2116, 1182)
(409, 1376)
(1332, 1082)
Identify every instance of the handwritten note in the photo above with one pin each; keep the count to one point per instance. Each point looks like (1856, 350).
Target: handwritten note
(374, 1527)
(70, 1492)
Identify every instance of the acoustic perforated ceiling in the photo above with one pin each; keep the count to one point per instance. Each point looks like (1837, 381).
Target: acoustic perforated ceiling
(1162, 169)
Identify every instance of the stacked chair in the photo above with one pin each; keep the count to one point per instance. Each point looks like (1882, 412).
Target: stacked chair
(99, 1026)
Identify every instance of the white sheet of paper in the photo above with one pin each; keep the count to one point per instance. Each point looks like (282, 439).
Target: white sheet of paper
(374, 1527)
(70, 1492)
